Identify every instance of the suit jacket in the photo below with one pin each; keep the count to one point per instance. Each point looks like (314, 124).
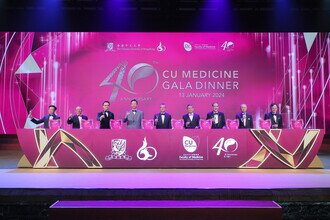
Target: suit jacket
(167, 121)
(74, 120)
(105, 122)
(45, 120)
(278, 121)
(134, 121)
(221, 120)
(248, 123)
(193, 123)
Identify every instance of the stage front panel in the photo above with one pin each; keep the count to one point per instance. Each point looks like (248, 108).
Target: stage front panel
(101, 148)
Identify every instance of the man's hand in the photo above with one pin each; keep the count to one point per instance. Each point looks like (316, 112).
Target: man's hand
(127, 113)
(30, 115)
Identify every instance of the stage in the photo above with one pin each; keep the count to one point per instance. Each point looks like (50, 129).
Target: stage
(25, 191)
(122, 179)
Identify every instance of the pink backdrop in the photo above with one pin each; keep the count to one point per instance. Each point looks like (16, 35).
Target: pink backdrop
(70, 69)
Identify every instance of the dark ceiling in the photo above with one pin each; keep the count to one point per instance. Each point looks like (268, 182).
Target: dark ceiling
(165, 15)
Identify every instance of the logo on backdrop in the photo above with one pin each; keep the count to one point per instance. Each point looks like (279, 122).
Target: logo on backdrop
(118, 147)
(148, 152)
(227, 46)
(200, 46)
(110, 47)
(136, 73)
(229, 147)
(129, 46)
(161, 47)
(187, 46)
(191, 146)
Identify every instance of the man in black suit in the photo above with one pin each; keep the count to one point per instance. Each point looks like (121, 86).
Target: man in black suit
(191, 120)
(218, 118)
(105, 116)
(163, 119)
(244, 118)
(274, 117)
(51, 116)
(76, 119)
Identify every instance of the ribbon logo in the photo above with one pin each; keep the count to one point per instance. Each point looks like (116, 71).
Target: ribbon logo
(144, 150)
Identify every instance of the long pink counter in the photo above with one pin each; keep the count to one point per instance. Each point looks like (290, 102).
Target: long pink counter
(94, 148)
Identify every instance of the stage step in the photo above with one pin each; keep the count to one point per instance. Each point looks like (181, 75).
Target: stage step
(166, 209)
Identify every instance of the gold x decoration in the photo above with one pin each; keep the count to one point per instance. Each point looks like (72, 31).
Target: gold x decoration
(270, 146)
(48, 147)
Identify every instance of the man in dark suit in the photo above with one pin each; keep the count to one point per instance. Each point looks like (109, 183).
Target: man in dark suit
(134, 117)
(163, 119)
(191, 120)
(51, 116)
(218, 118)
(76, 119)
(244, 118)
(105, 116)
(274, 117)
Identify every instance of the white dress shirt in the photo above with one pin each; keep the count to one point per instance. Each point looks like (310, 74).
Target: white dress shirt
(79, 118)
(244, 119)
(216, 119)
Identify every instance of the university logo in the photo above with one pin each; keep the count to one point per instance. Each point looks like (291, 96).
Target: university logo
(118, 147)
(146, 152)
(191, 146)
(187, 46)
(110, 47)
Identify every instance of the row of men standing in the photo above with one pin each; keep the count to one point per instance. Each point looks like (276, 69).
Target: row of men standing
(162, 120)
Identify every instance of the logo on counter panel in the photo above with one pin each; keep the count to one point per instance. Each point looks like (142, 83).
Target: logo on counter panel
(191, 146)
(229, 147)
(118, 147)
(146, 152)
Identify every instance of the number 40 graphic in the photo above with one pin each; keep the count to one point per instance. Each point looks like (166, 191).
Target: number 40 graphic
(227, 45)
(138, 71)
